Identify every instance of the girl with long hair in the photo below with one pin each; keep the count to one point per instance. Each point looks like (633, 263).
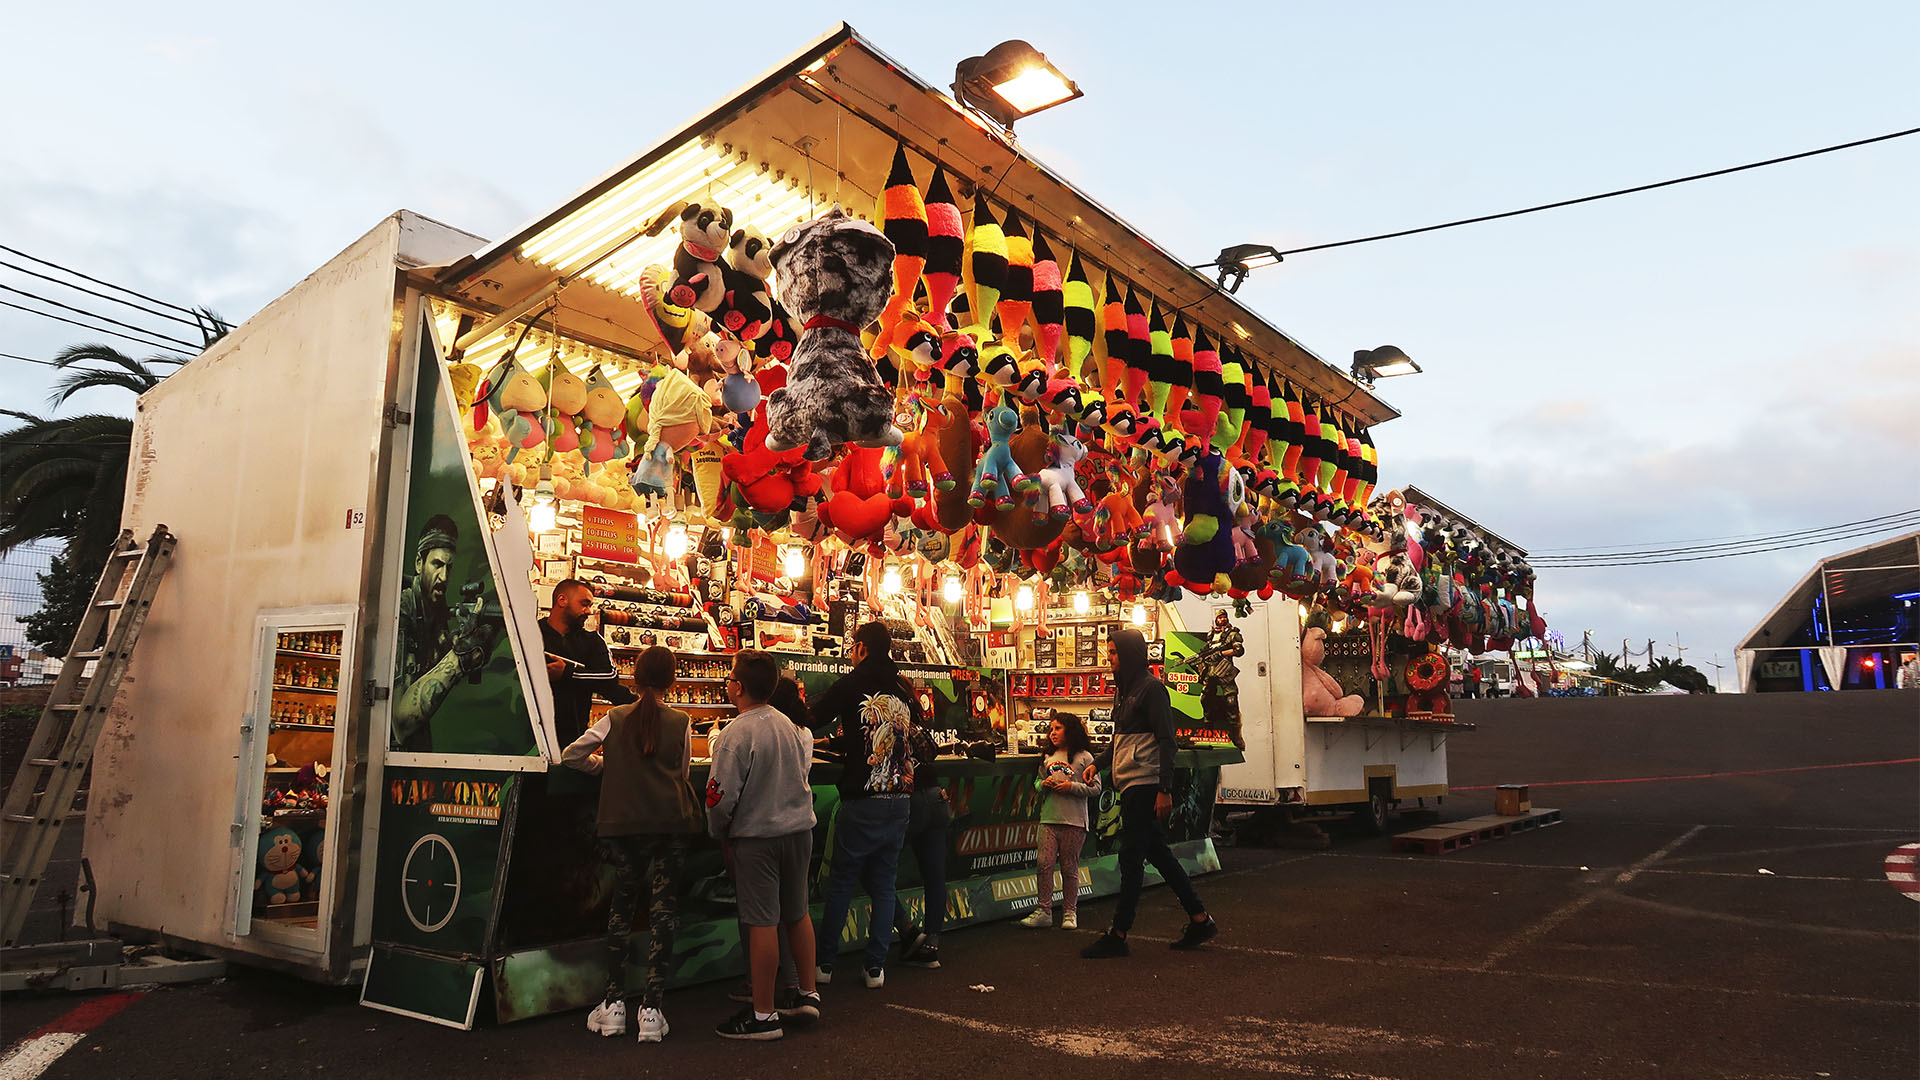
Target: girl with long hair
(1063, 819)
(648, 811)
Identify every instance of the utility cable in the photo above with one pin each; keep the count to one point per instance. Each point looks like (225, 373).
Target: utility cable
(97, 281)
(1794, 534)
(102, 318)
(113, 299)
(1591, 198)
(85, 326)
(1733, 554)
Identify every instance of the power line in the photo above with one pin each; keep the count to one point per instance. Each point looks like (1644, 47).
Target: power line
(1762, 539)
(95, 280)
(1733, 554)
(51, 364)
(114, 299)
(85, 326)
(102, 318)
(1595, 198)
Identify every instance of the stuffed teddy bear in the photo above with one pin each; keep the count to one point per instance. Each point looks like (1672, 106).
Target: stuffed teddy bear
(745, 308)
(997, 477)
(834, 273)
(697, 280)
(276, 878)
(1320, 693)
(1057, 480)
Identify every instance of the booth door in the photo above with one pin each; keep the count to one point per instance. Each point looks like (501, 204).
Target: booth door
(291, 741)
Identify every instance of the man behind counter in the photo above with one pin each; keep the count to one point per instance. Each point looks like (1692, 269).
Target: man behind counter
(578, 664)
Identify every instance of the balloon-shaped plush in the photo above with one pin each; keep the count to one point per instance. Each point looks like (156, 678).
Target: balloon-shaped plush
(903, 220)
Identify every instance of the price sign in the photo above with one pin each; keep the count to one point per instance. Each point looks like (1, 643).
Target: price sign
(612, 535)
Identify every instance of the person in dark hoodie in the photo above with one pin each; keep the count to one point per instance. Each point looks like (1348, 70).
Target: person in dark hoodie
(1140, 762)
(875, 716)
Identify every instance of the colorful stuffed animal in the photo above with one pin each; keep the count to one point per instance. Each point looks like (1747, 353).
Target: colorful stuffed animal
(603, 429)
(997, 477)
(566, 396)
(834, 272)
(518, 399)
(761, 479)
(1058, 482)
(746, 308)
(1049, 303)
(903, 218)
(986, 266)
(1016, 296)
(678, 412)
(859, 508)
(946, 248)
(1207, 550)
(276, 877)
(1080, 322)
(697, 281)
(920, 459)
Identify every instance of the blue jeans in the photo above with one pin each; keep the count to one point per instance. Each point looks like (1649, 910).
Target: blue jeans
(867, 836)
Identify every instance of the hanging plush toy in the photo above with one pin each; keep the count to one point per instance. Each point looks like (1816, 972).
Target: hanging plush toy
(746, 309)
(946, 248)
(920, 459)
(1016, 296)
(763, 480)
(1113, 337)
(566, 396)
(1208, 391)
(1049, 304)
(986, 266)
(1207, 551)
(696, 280)
(997, 478)
(1180, 378)
(1057, 480)
(1080, 322)
(903, 220)
(519, 400)
(776, 341)
(678, 412)
(833, 274)
(859, 508)
(1162, 370)
(603, 431)
(1233, 378)
(1139, 348)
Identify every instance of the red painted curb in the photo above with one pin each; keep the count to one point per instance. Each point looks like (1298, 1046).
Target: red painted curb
(91, 1013)
(1699, 776)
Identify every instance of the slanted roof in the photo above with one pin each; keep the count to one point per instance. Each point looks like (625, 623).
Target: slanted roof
(1852, 582)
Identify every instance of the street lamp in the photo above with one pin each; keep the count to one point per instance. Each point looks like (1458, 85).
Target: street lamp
(1012, 81)
(1387, 360)
(1235, 262)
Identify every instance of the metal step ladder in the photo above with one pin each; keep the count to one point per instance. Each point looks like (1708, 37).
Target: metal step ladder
(43, 791)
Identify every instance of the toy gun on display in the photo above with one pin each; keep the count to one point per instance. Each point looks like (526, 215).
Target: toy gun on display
(476, 625)
(1202, 656)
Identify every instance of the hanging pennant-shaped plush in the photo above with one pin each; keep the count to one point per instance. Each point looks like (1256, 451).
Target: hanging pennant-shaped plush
(1139, 353)
(1049, 304)
(1180, 382)
(1161, 367)
(1332, 444)
(1296, 437)
(1080, 322)
(697, 283)
(903, 220)
(1209, 391)
(834, 273)
(986, 266)
(1016, 296)
(946, 248)
(1113, 333)
(1233, 377)
(1253, 433)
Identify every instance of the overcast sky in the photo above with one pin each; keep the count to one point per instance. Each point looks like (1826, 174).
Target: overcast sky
(1736, 356)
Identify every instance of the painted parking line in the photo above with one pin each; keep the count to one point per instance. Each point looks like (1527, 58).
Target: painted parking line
(1900, 869)
(39, 1050)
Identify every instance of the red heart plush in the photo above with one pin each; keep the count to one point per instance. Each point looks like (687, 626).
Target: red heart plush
(860, 507)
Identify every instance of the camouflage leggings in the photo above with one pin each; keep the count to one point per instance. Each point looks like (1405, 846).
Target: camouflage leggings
(661, 856)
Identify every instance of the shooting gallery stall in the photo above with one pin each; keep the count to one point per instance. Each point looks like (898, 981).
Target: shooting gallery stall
(337, 751)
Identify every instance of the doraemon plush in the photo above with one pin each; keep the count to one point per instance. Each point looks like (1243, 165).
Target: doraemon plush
(697, 281)
(834, 275)
(276, 880)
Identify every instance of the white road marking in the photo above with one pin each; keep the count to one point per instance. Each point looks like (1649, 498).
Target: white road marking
(1765, 924)
(1560, 915)
(35, 1054)
(1748, 852)
(1423, 860)
(1900, 869)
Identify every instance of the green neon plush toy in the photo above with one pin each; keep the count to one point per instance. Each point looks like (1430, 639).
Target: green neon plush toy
(986, 266)
(1076, 294)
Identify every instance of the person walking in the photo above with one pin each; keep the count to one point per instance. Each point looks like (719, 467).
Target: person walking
(648, 812)
(928, 816)
(1140, 762)
(875, 715)
(760, 803)
(1063, 819)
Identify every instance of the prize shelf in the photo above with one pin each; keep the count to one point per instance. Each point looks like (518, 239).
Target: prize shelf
(308, 655)
(307, 690)
(294, 725)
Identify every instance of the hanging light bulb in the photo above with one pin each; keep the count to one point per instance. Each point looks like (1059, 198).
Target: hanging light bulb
(1081, 605)
(544, 517)
(676, 544)
(794, 562)
(1023, 598)
(890, 582)
(952, 590)
(1139, 614)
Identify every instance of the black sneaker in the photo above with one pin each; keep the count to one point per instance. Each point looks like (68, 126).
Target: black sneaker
(910, 939)
(798, 1005)
(1106, 947)
(1196, 934)
(925, 956)
(742, 994)
(744, 1025)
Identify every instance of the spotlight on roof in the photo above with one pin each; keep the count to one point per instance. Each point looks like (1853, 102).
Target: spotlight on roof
(1236, 261)
(1387, 360)
(1011, 82)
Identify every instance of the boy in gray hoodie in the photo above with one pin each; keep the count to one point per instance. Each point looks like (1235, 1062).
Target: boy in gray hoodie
(760, 801)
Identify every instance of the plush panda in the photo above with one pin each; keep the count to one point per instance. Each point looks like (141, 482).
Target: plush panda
(745, 309)
(835, 272)
(697, 280)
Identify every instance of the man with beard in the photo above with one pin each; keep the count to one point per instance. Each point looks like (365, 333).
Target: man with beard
(1219, 691)
(438, 645)
(578, 664)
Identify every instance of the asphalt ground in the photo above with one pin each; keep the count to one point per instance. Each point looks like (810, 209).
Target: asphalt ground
(1637, 938)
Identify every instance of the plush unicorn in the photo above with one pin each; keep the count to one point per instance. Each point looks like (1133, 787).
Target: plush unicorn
(1057, 480)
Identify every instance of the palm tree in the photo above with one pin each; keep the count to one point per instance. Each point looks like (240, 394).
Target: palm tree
(138, 376)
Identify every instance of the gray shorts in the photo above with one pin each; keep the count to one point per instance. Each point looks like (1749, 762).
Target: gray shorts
(770, 877)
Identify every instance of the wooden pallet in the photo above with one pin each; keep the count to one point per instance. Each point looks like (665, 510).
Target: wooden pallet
(1454, 835)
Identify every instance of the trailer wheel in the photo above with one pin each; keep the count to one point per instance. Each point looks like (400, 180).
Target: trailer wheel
(1379, 809)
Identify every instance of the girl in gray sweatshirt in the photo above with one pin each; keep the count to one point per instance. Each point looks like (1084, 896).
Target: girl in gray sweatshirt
(1064, 819)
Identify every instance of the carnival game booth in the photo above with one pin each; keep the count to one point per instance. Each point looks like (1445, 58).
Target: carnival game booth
(837, 350)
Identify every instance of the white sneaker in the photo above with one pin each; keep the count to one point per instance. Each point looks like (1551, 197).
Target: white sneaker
(1069, 921)
(1039, 920)
(876, 978)
(608, 1018)
(653, 1025)
(823, 974)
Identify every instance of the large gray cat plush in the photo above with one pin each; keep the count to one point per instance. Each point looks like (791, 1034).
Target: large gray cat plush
(835, 273)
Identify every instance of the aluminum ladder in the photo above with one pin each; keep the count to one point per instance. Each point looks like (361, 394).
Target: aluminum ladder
(43, 791)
